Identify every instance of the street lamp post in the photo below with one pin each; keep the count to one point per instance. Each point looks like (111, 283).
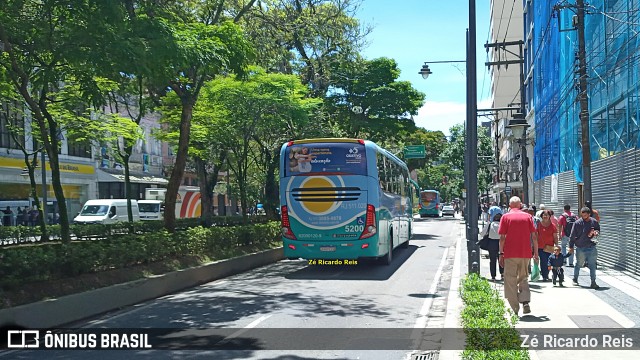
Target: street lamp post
(471, 150)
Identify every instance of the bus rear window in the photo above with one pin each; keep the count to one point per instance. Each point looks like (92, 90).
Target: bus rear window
(326, 158)
(428, 196)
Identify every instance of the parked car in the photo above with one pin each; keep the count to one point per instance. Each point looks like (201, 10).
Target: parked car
(448, 210)
(106, 211)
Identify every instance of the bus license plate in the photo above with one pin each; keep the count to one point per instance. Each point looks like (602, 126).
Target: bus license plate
(327, 248)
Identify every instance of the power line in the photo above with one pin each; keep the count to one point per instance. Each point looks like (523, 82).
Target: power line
(500, 23)
(509, 23)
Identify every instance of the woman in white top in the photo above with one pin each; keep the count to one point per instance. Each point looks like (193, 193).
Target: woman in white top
(494, 244)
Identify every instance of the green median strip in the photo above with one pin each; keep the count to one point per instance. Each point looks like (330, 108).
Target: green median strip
(489, 328)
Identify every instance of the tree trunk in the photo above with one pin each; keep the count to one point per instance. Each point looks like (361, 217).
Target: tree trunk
(44, 236)
(272, 197)
(127, 181)
(206, 191)
(178, 168)
(51, 145)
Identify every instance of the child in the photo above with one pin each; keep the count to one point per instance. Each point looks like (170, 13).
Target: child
(555, 264)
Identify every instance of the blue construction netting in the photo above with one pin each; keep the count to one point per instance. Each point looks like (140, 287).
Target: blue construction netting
(613, 69)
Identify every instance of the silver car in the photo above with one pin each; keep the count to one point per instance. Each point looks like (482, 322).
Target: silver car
(448, 210)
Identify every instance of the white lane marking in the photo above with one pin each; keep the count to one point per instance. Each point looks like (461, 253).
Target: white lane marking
(421, 322)
(246, 328)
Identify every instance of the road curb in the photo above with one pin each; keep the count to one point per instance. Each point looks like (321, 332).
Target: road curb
(67, 309)
(454, 305)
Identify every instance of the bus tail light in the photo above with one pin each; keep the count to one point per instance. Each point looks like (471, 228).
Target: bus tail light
(370, 223)
(286, 225)
(365, 245)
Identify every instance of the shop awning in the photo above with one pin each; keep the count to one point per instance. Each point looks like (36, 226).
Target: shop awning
(104, 176)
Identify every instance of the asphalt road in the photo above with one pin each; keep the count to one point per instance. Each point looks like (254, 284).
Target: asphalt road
(294, 298)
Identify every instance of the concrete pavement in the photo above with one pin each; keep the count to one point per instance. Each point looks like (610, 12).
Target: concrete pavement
(614, 305)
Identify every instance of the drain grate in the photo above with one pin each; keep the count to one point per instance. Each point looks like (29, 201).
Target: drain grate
(428, 355)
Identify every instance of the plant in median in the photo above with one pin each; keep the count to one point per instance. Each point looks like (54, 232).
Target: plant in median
(490, 330)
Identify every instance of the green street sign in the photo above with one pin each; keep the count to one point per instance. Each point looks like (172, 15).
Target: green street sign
(414, 152)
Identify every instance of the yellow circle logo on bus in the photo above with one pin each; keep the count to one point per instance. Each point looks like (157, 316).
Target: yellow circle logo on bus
(316, 189)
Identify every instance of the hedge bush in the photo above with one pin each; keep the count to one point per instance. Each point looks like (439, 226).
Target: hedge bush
(12, 235)
(23, 264)
(489, 329)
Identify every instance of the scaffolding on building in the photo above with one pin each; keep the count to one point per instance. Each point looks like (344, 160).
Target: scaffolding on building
(613, 68)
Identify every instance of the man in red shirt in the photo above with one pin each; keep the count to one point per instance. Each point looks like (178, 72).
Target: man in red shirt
(516, 233)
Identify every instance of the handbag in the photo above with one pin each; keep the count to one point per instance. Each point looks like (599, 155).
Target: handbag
(535, 272)
(548, 249)
(484, 242)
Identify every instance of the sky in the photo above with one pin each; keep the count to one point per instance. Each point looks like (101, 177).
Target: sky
(415, 31)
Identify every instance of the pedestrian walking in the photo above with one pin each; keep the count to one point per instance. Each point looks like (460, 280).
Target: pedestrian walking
(555, 263)
(582, 238)
(7, 216)
(25, 217)
(33, 216)
(491, 229)
(566, 222)
(547, 239)
(494, 209)
(516, 232)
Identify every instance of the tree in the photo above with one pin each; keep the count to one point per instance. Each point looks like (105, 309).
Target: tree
(46, 47)
(196, 52)
(253, 118)
(368, 101)
(454, 156)
(12, 111)
(309, 38)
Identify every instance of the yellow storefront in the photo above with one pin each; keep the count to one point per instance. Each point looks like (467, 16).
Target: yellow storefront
(78, 183)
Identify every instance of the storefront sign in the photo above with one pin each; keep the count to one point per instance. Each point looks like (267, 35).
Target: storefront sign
(64, 167)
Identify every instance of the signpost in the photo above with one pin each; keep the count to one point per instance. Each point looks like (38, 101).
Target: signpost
(414, 152)
(507, 190)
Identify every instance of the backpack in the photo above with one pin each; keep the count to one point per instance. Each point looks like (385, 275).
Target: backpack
(570, 221)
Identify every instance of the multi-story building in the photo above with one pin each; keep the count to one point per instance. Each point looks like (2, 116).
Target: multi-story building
(505, 27)
(147, 164)
(612, 55)
(77, 167)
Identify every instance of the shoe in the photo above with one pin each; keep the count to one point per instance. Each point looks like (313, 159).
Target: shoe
(575, 282)
(570, 265)
(554, 282)
(594, 285)
(493, 279)
(526, 309)
(561, 284)
(545, 280)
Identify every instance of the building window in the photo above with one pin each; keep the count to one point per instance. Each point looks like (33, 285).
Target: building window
(79, 148)
(11, 118)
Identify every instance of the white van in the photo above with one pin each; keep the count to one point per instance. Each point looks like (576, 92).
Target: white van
(106, 211)
(151, 209)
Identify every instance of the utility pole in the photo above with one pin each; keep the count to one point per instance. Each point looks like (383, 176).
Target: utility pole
(472, 145)
(584, 103)
(523, 142)
(581, 56)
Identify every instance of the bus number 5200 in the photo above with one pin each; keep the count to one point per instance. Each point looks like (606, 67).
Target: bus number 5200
(354, 228)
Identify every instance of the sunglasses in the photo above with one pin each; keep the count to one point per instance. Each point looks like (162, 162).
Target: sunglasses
(585, 212)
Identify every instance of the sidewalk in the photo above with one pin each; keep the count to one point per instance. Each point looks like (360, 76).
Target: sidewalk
(579, 307)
